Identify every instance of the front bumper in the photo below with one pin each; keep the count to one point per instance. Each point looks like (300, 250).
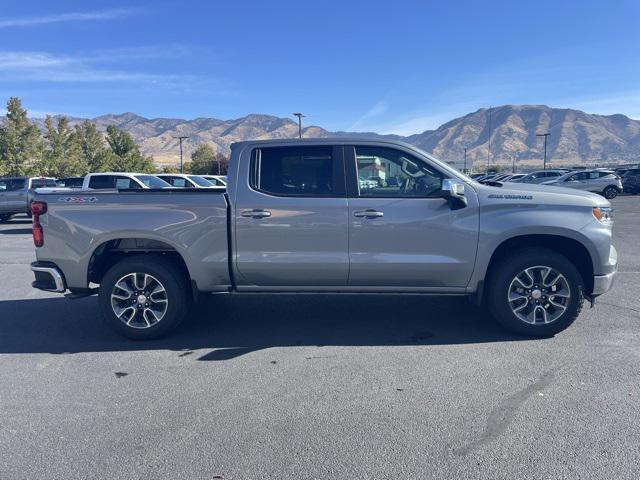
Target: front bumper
(48, 277)
(602, 283)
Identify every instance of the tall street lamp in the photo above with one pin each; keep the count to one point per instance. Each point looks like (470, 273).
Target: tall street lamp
(545, 135)
(464, 170)
(299, 115)
(180, 139)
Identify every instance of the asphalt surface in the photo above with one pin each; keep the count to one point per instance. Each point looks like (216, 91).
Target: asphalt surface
(302, 386)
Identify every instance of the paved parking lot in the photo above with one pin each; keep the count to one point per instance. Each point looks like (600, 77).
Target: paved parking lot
(302, 386)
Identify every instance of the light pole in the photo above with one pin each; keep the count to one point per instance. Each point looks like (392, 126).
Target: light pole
(545, 135)
(489, 146)
(464, 170)
(180, 139)
(299, 115)
(513, 162)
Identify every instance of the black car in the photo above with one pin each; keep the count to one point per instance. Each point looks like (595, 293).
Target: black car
(631, 181)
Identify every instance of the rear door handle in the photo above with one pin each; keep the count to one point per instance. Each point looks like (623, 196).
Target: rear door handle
(370, 213)
(256, 213)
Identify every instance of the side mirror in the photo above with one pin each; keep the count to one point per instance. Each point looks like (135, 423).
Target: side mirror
(453, 191)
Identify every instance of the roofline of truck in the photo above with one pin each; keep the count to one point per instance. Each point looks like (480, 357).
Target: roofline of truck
(289, 142)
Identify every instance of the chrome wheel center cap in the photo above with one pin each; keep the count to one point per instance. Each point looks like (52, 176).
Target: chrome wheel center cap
(536, 294)
(142, 299)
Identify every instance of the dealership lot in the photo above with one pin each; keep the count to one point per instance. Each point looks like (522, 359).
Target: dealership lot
(303, 386)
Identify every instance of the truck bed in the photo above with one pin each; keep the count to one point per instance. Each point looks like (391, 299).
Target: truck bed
(191, 222)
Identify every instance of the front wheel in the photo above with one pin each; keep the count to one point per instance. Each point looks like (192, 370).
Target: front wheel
(610, 192)
(535, 292)
(144, 297)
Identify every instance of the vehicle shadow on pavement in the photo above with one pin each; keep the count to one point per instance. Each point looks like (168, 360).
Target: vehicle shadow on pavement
(15, 231)
(233, 325)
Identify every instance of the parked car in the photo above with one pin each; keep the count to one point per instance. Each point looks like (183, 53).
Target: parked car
(605, 182)
(122, 181)
(541, 176)
(16, 194)
(631, 181)
(216, 180)
(514, 177)
(295, 220)
(70, 182)
(182, 180)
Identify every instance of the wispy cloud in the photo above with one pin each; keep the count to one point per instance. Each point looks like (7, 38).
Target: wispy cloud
(67, 17)
(376, 110)
(45, 67)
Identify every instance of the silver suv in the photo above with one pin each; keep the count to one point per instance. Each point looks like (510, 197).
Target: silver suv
(604, 182)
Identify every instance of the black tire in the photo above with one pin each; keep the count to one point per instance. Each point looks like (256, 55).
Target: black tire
(163, 271)
(5, 217)
(499, 287)
(610, 192)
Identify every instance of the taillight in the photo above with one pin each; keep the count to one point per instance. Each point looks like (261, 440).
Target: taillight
(37, 209)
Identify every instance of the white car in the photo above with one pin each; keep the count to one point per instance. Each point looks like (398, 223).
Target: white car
(122, 181)
(182, 180)
(216, 180)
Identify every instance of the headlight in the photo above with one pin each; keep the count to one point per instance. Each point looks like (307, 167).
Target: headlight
(603, 214)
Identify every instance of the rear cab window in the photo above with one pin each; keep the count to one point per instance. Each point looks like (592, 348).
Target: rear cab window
(101, 181)
(307, 171)
(43, 182)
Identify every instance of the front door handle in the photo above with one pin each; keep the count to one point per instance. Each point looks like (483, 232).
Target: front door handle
(256, 213)
(369, 213)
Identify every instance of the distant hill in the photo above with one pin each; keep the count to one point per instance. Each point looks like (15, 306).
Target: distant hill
(576, 136)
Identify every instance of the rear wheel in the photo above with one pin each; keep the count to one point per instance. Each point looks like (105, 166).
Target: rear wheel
(610, 192)
(535, 292)
(144, 297)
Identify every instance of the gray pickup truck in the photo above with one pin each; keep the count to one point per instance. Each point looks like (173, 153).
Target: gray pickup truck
(328, 216)
(16, 194)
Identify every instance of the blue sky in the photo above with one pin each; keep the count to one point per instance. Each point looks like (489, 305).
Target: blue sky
(400, 67)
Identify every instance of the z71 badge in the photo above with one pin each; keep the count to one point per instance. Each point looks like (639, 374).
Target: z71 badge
(78, 199)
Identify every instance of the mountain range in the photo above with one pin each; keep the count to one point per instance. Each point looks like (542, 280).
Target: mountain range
(575, 137)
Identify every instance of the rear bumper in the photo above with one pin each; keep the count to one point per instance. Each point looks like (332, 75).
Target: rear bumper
(48, 277)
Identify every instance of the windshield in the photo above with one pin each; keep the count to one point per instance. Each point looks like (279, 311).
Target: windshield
(200, 181)
(152, 181)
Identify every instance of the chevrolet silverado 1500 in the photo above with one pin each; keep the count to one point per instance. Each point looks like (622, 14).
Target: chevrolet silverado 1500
(328, 216)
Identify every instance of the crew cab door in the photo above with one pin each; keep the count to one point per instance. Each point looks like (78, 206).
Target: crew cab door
(403, 233)
(15, 197)
(290, 213)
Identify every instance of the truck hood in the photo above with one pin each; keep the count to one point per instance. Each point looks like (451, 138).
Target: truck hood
(540, 194)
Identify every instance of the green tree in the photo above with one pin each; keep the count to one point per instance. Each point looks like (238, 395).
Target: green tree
(93, 149)
(62, 156)
(126, 156)
(204, 160)
(20, 142)
(170, 169)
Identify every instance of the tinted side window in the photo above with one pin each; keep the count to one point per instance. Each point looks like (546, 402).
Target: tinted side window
(126, 183)
(101, 181)
(386, 172)
(298, 171)
(178, 182)
(17, 184)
